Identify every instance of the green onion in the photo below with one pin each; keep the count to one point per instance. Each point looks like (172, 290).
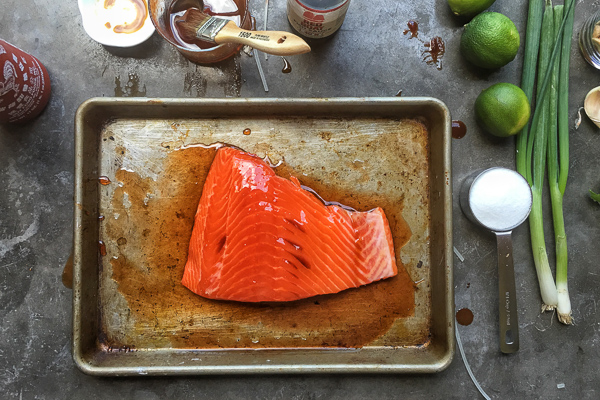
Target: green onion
(556, 195)
(595, 197)
(542, 143)
(558, 168)
(536, 154)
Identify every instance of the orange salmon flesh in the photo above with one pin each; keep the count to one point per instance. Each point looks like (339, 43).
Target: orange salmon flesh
(258, 237)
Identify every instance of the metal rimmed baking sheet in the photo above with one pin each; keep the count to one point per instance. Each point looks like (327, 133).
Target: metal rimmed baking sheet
(131, 315)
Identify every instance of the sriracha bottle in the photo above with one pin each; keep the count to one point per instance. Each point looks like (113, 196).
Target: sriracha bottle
(24, 85)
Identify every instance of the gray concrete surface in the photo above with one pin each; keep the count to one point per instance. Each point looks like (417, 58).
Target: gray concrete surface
(369, 57)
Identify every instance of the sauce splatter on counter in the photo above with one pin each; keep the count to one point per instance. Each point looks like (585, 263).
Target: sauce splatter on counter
(434, 49)
(459, 129)
(464, 316)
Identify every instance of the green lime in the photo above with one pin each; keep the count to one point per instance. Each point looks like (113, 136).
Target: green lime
(490, 40)
(502, 109)
(469, 8)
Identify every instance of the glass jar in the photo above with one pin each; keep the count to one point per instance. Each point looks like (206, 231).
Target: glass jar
(316, 19)
(160, 14)
(589, 40)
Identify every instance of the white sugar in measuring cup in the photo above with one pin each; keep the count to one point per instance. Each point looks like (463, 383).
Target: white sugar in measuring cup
(499, 199)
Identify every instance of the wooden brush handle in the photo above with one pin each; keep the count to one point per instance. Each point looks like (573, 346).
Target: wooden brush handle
(272, 42)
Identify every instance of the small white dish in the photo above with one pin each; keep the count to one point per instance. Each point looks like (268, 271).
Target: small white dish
(118, 23)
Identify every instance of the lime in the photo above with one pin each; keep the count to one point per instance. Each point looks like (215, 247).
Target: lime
(502, 109)
(490, 40)
(469, 8)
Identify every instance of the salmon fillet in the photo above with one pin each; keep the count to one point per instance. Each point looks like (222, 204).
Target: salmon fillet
(259, 237)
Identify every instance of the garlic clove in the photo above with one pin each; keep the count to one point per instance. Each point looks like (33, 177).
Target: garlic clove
(591, 105)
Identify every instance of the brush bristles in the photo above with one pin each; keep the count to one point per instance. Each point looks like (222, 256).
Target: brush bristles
(195, 18)
(198, 25)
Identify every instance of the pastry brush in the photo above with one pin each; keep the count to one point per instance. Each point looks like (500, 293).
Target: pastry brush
(198, 25)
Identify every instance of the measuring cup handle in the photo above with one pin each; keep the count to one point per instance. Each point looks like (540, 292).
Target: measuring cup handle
(507, 299)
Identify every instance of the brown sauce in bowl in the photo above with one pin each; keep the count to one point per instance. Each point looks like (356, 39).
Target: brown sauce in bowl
(141, 12)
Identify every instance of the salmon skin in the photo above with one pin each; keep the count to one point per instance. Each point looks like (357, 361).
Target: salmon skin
(258, 237)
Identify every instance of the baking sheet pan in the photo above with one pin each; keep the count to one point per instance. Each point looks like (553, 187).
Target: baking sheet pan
(140, 166)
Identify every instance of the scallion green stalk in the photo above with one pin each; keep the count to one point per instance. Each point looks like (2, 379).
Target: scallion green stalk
(552, 161)
(536, 148)
(536, 153)
(563, 98)
(558, 177)
(532, 46)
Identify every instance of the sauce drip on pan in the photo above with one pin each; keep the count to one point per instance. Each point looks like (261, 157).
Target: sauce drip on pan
(101, 248)
(104, 180)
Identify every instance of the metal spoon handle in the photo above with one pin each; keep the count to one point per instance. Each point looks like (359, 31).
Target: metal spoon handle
(509, 323)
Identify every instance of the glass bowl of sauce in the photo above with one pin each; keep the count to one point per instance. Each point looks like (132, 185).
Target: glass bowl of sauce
(589, 40)
(164, 16)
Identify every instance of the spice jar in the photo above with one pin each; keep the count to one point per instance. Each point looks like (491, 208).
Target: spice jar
(316, 19)
(24, 85)
(589, 40)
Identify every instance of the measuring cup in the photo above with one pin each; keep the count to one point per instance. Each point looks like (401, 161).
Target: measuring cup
(499, 200)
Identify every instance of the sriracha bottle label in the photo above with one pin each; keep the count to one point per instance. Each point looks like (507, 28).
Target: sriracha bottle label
(24, 85)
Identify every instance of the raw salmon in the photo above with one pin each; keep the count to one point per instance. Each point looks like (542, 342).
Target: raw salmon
(260, 237)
